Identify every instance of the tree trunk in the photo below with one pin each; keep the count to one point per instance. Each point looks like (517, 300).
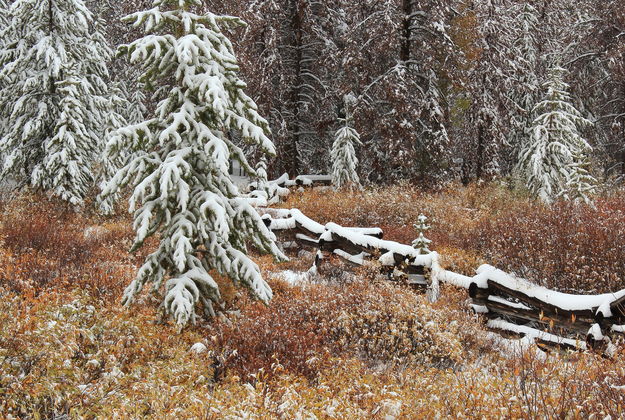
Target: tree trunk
(481, 141)
(296, 96)
(404, 53)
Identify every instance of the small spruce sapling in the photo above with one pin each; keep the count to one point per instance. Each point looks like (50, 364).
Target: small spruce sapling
(421, 244)
(262, 183)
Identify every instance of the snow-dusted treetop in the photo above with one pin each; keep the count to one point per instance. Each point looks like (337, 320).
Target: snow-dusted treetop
(180, 161)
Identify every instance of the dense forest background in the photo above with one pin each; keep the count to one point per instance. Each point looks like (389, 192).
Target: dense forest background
(444, 89)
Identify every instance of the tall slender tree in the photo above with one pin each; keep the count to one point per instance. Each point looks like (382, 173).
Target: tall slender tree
(180, 163)
(343, 154)
(598, 60)
(53, 84)
(4, 23)
(288, 39)
(524, 78)
(485, 87)
(553, 160)
(4, 15)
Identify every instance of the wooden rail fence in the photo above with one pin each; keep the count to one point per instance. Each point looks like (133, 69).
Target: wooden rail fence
(510, 304)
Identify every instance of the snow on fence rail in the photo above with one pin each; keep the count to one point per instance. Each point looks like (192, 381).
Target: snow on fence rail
(273, 191)
(301, 180)
(509, 303)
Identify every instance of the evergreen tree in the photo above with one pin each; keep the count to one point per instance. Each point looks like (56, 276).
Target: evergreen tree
(53, 85)
(343, 155)
(552, 161)
(137, 109)
(120, 107)
(109, 165)
(344, 160)
(580, 183)
(4, 23)
(4, 16)
(262, 183)
(123, 111)
(524, 84)
(485, 123)
(180, 160)
(422, 243)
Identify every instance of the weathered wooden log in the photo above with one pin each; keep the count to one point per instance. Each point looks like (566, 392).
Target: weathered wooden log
(618, 309)
(300, 228)
(312, 180)
(302, 180)
(547, 309)
(476, 293)
(350, 247)
(328, 246)
(577, 328)
(540, 337)
(306, 241)
(414, 270)
(546, 345)
(417, 280)
(353, 260)
(373, 232)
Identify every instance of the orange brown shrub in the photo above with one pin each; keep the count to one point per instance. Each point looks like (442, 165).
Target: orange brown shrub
(304, 326)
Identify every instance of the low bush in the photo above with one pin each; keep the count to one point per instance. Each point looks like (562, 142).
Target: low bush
(303, 327)
(46, 246)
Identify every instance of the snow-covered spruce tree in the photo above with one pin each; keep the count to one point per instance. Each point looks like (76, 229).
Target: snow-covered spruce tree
(137, 110)
(109, 165)
(4, 16)
(65, 170)
(552, 160)
(262, 183)
(52, 79)
(344, 160)
(180, 161)
(343, 154)
(422, 243)
(124, 111)
(4, 22)
(523, 84)
(580, 183)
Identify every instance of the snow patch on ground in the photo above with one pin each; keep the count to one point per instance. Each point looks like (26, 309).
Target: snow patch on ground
(293, 278)
(198, 348)
(513, 348)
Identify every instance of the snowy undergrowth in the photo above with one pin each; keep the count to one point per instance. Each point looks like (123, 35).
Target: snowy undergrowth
(349, 349)
(71, 354)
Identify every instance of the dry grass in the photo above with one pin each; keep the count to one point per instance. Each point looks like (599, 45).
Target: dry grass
(380, 323)
(338, 349)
